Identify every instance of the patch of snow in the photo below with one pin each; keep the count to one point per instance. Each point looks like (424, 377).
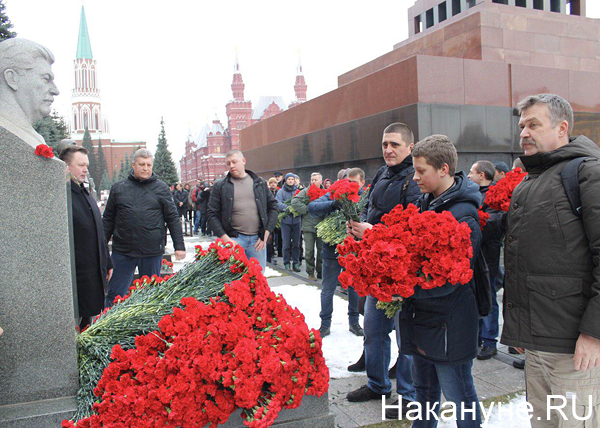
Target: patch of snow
(341, 348)
(270, 273)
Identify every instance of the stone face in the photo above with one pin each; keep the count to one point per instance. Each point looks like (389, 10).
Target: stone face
(38, 357)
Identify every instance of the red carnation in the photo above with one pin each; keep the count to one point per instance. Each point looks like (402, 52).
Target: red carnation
(315, 192)
(44, 150)
(483, 218)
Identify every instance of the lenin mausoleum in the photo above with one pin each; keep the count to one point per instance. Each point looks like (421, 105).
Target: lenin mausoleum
(461, 72)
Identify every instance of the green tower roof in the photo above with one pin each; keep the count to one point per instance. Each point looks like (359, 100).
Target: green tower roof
(84, 48)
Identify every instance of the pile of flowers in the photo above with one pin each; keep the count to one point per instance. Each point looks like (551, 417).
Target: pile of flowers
(233, 344)
(408, 249)
(498, 196)
(332, 229)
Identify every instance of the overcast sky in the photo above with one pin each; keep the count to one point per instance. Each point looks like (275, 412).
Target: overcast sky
(175, 58)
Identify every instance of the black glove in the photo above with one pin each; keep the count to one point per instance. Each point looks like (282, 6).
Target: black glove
(337, 204)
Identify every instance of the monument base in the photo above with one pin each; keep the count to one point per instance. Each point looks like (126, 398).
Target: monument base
(312, 413)
(38, 414)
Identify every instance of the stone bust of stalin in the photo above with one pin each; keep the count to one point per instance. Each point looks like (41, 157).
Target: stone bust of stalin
(27, 87)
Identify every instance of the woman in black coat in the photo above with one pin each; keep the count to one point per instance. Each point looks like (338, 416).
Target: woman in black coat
(93, 264)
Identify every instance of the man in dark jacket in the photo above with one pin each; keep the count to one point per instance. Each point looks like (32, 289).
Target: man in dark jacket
(93, 265)
(242, 209)
(482, 173)
(290, 224)
(391, 186)
(195, 196)
(439, 326)
(135, 216)
(318, 210)
(552, 280)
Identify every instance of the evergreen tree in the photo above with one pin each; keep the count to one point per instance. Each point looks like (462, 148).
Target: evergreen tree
(53, 128)
(101, 163)
(164, 167)
(87, 144)
(125, 168)
(5, 24)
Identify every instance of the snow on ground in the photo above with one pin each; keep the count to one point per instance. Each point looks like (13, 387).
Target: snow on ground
(341, 348)
(270, 273)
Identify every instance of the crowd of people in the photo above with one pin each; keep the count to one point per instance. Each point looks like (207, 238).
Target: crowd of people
(550, 274)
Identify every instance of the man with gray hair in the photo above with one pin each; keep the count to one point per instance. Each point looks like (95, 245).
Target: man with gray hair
(135, 216)
(27, 87)
(552, 258)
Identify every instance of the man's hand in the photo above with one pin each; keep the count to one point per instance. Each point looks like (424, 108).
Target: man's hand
(227, 239)
(180, 254)
(587, 352)
(109, 274)
(260, 244)
(356, 228)
(1, 331)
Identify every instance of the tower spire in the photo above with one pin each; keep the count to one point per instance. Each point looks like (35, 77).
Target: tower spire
(84, 48)
(300, 86)
(237, 86)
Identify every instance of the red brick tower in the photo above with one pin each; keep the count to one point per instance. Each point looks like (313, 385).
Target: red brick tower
(239, 111)
(299, 86)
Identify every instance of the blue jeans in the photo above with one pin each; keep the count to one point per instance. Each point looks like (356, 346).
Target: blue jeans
(456, 382)
(124, 269)
(200, 222)
(291, 243)
(331, 271)
(488, 326)
(377, 354)
(247, 242)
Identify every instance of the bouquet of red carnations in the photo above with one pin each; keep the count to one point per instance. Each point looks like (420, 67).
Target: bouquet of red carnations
(346, 192)
(315, 193)
(483, 218)
(235, 344)
(332, 229)
(498, 196)
(408, 249)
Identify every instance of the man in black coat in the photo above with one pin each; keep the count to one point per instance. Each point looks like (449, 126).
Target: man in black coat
(93, 266)
(135, 216)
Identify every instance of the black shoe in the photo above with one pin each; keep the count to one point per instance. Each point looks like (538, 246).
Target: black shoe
(486, 353)
(364, 393)
(392, 372)
(319, 276)
(286, 266)
(274, 262)
(392, 412)
(512, 351)
(519, 364)
(295, 268)
(357, 330)
(358, 366)
(325, 331)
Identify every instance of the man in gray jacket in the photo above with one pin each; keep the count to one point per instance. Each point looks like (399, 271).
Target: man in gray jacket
(552, 277)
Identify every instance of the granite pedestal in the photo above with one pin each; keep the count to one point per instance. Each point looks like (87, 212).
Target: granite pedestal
(312, 413)
(38, 358)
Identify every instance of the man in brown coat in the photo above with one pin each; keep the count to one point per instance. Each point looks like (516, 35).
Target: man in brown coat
(552, 277)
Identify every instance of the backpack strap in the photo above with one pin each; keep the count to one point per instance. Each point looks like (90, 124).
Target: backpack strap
(570, 181)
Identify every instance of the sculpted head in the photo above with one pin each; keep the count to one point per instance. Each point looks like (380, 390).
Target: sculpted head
(27, 86)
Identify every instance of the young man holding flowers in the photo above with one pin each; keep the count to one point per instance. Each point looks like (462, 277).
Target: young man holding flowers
(391, 186)
(439, 326)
